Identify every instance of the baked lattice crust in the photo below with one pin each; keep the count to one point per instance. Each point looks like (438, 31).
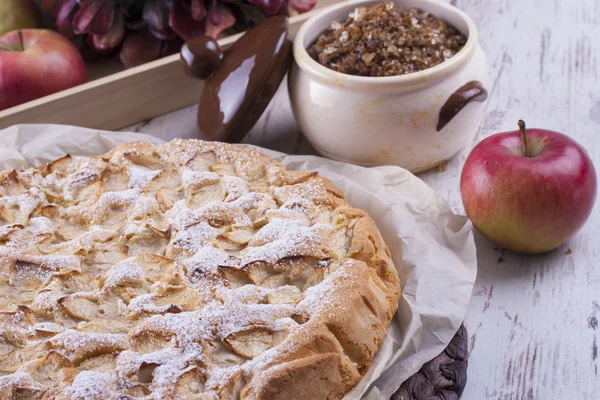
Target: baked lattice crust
(192, 270)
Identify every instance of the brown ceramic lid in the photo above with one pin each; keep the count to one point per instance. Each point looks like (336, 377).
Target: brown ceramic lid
(240, 82)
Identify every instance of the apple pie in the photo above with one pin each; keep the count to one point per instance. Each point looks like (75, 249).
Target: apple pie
(192, 270)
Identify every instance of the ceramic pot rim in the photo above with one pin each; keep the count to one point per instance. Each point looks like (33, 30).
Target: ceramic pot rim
(397, 83)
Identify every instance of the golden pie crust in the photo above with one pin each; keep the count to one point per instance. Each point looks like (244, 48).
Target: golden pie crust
(192, 270)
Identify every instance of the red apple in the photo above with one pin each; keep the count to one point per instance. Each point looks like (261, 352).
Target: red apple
(18, 14)
(528, 191)
(35, 63)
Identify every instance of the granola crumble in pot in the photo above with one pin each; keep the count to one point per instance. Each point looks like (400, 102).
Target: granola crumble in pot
(386, 40)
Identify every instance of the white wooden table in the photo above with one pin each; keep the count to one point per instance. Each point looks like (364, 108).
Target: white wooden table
(533, 321)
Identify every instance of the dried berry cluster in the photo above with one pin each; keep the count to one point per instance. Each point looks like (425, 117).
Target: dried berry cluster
(143, 30)
(385, 40)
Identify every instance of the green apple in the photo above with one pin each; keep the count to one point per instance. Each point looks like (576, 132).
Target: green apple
(18, 14)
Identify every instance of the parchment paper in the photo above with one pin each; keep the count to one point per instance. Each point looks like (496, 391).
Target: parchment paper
(433, 249)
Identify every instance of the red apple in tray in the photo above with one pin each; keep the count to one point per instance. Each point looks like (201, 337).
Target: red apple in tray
(18, 14)
(35, 63)
(528, 191)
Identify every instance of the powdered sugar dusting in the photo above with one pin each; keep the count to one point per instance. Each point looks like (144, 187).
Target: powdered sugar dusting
(15, 325)
(287, 238)
(144, 209)
(41, 225)
(197, 307)
(197, 228)
(79, 173)
(190, 177)
(208, 260)
(195, 236)
(46, 301)
(234, 187)
(276, 230)
(72, 342)
(17, 380)
(31, 271)
(125, 272)
(110, 199)
(92, 385)
(23, 204)
(139, 177)
(190, 328)
(168, 365)
(40, 267)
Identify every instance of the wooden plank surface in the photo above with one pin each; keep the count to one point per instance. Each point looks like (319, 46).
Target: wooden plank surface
(533, 321)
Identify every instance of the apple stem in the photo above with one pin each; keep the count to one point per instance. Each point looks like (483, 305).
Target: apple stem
(21, 41)
(523, 129)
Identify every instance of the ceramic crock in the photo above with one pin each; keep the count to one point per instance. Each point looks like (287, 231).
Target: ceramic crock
(416, 121)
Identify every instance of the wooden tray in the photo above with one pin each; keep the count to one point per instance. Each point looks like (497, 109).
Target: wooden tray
(115, 100)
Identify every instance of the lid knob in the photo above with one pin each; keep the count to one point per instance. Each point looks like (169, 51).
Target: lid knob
(201, 56)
